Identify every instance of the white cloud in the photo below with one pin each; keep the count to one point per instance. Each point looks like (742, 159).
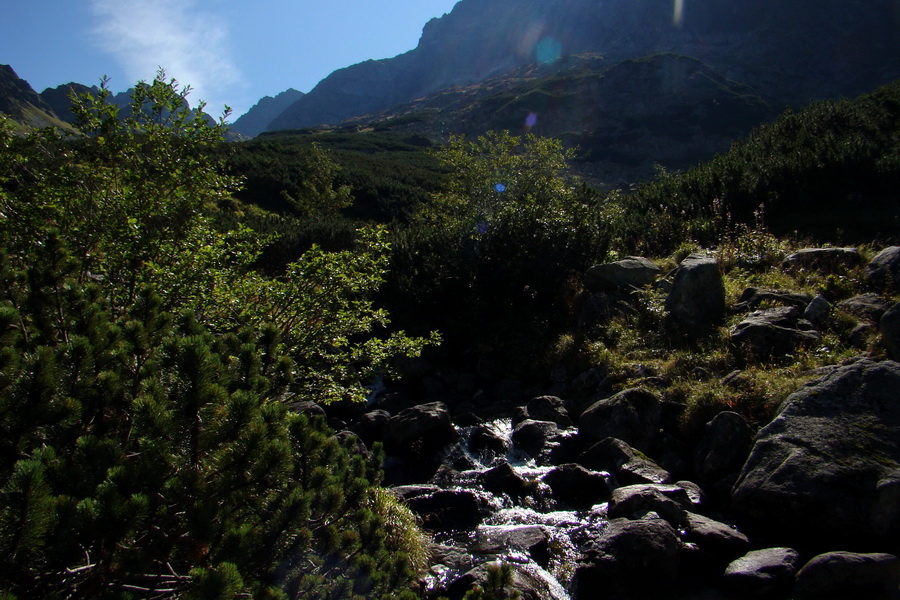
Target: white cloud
(190, 44)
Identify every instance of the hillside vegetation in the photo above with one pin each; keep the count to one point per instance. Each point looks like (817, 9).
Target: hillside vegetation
(172, 305)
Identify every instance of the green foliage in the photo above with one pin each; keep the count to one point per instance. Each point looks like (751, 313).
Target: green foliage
(500, 244)
(142, 454)
(499, 580)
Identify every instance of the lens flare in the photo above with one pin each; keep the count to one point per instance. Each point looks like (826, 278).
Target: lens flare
(548, 50)
(678, 15)
(500, 188)
(530, 120)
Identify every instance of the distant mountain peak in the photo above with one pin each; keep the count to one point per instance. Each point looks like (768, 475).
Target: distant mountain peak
(257, 119)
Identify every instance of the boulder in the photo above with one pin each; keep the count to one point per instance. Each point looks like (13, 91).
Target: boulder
(849, 575)
(752, 298)
(724, 447)
(696, 301)
(632, 415)
(630, 272)
(868, 307)
(549, 408)
(532, 436)
(890, 331)
(576, 486)
(763, 573)
(503, 479)
(620, 459)
(719, 541)
(824, 260)
(817, 311)
(883, 273)
(370, 426)
(527, 584)
(636, 501)
(533, 540)
(630, 559)
(775, 332)
(448, 510)
(485, 440)
(828, 466)
(420, 430)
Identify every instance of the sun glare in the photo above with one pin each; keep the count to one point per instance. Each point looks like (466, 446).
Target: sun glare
(678, 15)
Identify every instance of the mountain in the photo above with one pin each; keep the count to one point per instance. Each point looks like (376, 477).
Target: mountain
(257, 119)
(21, 103)
(786, 50)
(58, 98)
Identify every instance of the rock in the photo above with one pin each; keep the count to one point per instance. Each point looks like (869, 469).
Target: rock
(630, 559)
(883, 273)
(752, 298)
(533, 540)
(817, 311)
(576, 486)
(420, 430)
(503, 479)
(636, 501)
(890, 331)
(623, 462)
(632, 416)
(824, 260)
(763, 573)
(775, 332)
(827, 468)
(530, 586)
(448, 510)
(532, 436)
(630, 272)
(370, 427)
(869, 307)
(848, 575)
(549, 408)
(485, 440)
(723, 448)
(718, 540)
(697, 299)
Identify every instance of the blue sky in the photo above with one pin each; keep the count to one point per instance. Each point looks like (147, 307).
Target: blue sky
(229, 51)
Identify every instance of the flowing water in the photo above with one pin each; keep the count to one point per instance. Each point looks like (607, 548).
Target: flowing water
(534, 516)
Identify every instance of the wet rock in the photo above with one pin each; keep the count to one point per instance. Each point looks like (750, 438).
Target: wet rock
(576, 486)
(636, 501)
(868, 307)
(633, 271)
(449, 510)
(723, 448)
(697, 299)
(528, 585)
(632, 415)
(420, 430)
(763, 573)
(503, 479)
(883, 273)
(824, 260)
(533, 540)
(532, 436)
(549, 408)
(630, 559)
(849, 575)
(827, 468)
(890, 331)
(623, 462)
(775, 332)
(485, 440)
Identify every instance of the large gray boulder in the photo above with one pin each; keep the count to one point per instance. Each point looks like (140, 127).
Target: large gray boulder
(724, 447)
(775, 332)
(843, 575)
(763, 573)
(628, 466)
(883, 273)
(632, 415)
(828, 466)
(630, 559)
(630, 272)
(696, 301)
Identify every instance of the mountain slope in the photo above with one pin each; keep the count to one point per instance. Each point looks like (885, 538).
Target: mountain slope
(787, 51)
(21, 103)
(255, 120)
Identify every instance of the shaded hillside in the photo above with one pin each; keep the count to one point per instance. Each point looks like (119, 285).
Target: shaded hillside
(21, 103)
(257, 119)
(787, 52)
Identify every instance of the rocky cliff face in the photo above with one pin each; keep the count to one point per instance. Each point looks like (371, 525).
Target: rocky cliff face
(19, 101)
(788, 52)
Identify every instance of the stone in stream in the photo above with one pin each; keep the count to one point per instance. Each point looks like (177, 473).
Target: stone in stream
(763, 573)
(627, 465)
(577, 487)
